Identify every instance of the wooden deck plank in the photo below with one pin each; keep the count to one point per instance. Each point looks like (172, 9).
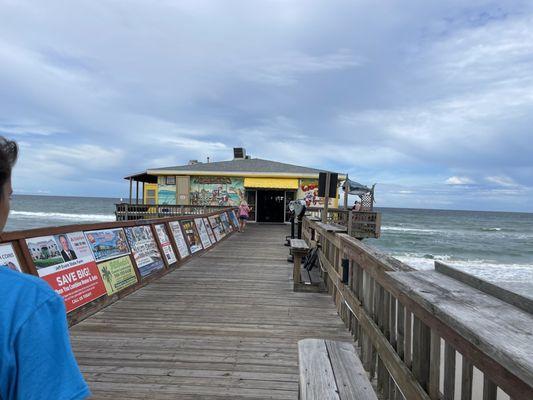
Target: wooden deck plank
(225, 325)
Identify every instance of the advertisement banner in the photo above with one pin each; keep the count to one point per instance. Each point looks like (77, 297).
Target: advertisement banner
(164, 240)
(107, 243)
(234, 219)
(117, 274)
(144, 249)
(209, 231)
(202, 231)
(65, 261)
(8, 258)
(192, 236)
(225, 223)
(216, 224)
(179, 239)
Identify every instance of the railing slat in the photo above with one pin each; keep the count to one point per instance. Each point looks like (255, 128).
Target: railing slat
(449, 371)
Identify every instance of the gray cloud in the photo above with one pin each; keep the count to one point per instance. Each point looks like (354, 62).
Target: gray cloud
(408, 95)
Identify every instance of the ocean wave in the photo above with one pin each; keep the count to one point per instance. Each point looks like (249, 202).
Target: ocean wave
(414, 230)
(489, 269)
(491, 229)
(63, 216)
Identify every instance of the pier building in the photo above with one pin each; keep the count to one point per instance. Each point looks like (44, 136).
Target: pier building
(267, 186)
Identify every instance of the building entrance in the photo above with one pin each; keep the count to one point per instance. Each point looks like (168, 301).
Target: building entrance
(270, 205)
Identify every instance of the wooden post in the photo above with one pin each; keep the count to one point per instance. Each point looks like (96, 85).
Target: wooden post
(131, 190)
(326, 199)
(346, 193)
(137, 193)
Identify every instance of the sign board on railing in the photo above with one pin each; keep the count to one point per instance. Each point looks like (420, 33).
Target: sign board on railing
(90, 265)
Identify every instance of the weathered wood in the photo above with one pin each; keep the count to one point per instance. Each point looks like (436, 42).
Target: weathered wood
(505, 294)
(399, 371)
(466, 380)
(351, 378)
(493, 334)
(489, 389)
(316, 373)
(421, 352)
(225, 325)
(434, 367)
(449, 372)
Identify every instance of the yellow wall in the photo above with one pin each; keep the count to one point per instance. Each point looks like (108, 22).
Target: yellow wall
(147, 187)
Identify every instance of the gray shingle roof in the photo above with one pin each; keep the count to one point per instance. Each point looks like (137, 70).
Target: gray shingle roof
(243, 165)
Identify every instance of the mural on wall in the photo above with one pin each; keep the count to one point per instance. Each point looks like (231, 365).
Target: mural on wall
(308, 191)
(216, 190)
(166, 194)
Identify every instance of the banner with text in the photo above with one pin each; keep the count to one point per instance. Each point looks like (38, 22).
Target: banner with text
(117, 274)
(67, 264)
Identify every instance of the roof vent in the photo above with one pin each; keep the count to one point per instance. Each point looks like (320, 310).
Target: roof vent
(239, 153)
(193, 162)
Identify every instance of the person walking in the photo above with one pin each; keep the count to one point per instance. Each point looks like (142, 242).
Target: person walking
(244, 214)
(36, 359)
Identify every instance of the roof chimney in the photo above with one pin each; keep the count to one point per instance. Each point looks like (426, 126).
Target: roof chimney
(239, 153)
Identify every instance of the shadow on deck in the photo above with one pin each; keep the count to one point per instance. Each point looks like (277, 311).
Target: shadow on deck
(223, 326)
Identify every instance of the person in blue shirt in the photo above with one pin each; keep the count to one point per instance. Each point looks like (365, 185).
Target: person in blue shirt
(36, 360)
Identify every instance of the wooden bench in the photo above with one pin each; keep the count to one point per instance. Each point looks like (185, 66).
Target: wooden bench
(331, 370)
(299, 249)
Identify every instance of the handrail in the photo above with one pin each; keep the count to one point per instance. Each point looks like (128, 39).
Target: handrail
(400, 334)
(127, 211)
(360, 224)
(167, 235)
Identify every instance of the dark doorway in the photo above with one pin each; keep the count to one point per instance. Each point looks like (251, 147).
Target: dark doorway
(270, 205)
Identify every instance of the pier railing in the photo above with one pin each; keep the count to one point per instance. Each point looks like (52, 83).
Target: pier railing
(417, 348)
(359, 224)
(128, 212)
(88, 283)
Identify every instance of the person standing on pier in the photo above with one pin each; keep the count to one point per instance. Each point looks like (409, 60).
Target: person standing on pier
(244, 214)
(36, 360)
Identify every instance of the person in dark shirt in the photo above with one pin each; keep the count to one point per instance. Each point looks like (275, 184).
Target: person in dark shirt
(36, 359)
(66, 252)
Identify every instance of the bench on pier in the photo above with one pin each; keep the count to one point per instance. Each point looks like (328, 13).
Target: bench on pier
(331, 370)
(299, 249)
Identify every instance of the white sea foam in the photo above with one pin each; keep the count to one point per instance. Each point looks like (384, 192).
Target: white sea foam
(489, 270)
(413, 230)
(62, 216)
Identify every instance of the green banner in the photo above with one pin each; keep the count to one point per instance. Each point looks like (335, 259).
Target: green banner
(117, 274)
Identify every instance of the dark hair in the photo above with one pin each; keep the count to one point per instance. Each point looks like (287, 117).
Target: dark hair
(8, 157)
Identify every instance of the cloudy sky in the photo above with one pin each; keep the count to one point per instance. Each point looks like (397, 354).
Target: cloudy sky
(431, 100)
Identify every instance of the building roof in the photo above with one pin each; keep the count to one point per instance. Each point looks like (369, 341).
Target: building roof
(236, 167)
(243, 165)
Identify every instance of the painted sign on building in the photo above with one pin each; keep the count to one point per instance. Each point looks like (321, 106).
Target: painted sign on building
(216, 190)
(308, 191)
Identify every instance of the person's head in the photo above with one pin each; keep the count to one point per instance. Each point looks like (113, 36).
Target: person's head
(8, 157)
(64, 242)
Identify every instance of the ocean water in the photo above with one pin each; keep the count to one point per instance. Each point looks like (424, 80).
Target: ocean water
(492, 245)
(29, 212)
(495, 245)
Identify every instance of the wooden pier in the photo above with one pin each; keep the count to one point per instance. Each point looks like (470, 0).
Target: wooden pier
(223, 326)
(224, 321)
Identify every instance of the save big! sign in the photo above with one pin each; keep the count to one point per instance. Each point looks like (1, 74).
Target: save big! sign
(67, 264)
